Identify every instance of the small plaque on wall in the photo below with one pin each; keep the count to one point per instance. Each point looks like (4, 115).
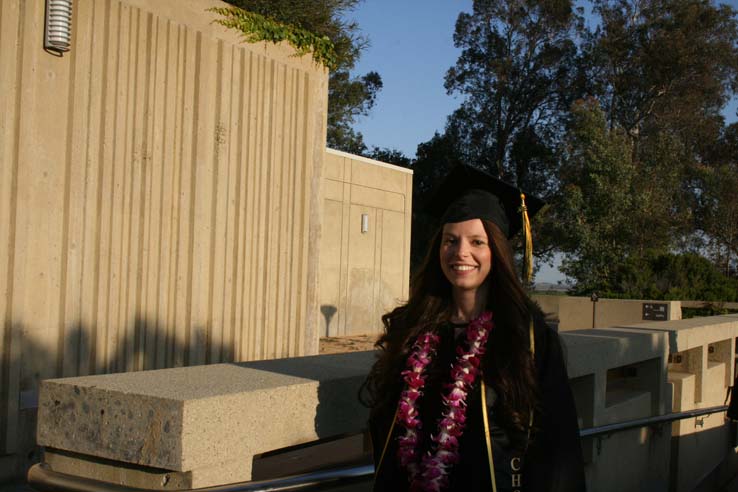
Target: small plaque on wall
(655, 311)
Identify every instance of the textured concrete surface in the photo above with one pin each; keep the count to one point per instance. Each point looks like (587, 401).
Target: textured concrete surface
(590, 351)
(576, 313)
(210, 420)
(619, 375)
(363, 274)
(686, 334)
(137, 237)
(700, 370)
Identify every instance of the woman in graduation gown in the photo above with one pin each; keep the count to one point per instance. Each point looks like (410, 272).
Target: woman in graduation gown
(470, 391)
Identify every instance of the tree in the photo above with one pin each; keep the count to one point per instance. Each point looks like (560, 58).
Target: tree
(348, 97)
(718, 215)
(671, 277)
(716, 204)
(592, 216)
(661, 194)
(518, 75)
(390, 156)
(665, 64)
(661, 70)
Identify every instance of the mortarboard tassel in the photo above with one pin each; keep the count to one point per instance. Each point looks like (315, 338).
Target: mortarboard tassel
(528, 238)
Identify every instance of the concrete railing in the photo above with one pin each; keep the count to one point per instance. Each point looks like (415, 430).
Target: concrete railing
(576, 313)
(700, 370)
(700, 304)
(200, 426)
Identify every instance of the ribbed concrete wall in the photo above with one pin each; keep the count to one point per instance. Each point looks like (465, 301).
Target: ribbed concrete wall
(159, 196)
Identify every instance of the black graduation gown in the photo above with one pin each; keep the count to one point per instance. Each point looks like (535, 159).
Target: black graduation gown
(550, 461)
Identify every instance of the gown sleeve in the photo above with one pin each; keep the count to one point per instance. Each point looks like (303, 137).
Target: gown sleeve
(554, 459)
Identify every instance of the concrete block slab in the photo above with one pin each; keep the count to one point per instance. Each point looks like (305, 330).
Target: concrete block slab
(686, 334)
(593, 350)
(208, 420)
(683, 390)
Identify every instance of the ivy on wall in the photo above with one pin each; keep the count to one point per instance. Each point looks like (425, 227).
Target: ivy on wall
(257, 28)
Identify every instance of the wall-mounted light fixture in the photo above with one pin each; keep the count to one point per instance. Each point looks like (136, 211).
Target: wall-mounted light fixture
(58, 31)
(364, 223)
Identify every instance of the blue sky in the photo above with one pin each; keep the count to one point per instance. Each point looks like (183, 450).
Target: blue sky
(411, 48)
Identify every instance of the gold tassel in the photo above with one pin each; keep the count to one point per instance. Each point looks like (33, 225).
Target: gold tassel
(528, 253)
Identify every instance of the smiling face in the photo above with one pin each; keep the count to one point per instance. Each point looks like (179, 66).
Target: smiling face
(466, 258)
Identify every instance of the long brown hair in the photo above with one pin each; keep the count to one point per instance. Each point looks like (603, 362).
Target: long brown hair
(508, 364)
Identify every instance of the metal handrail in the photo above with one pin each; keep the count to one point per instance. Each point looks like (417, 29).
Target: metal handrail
(649, 421)
(43, 478)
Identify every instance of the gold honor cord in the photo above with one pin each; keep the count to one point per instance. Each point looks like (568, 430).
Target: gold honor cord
(386, 441)
(528, 252)
(532, 336)
(488, 437)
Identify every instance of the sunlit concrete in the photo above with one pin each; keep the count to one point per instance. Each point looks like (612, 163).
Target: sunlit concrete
(209, 421)
(576, 313)
(701, 368)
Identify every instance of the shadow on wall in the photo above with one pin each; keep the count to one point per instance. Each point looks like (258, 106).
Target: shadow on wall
(338, 410)
(339, 420)
(83, 351)
(701, 460)
(328, 311)
(648, 460)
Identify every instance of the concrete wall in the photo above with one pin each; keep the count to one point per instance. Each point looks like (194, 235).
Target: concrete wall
(700, 370)
(577, 313)
(619, 375)
(160, 196)
(363, 274)
(700, 304)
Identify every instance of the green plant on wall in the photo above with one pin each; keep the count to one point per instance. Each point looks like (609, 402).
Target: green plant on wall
(256, 27)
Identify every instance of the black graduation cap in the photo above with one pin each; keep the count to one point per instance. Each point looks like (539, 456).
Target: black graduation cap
(468, 193)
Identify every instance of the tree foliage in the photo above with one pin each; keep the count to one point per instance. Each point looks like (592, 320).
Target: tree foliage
(716, 213)
(665, 64)
(517, 74)
(667, 276)
(662, 70)
(390, 156)
(255, 27)
(593, 212)
(348, 97)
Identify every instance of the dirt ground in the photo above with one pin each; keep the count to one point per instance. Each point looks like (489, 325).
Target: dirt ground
(354, 343)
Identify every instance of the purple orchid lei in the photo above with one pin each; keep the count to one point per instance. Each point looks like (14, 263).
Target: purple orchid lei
(429, 473)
